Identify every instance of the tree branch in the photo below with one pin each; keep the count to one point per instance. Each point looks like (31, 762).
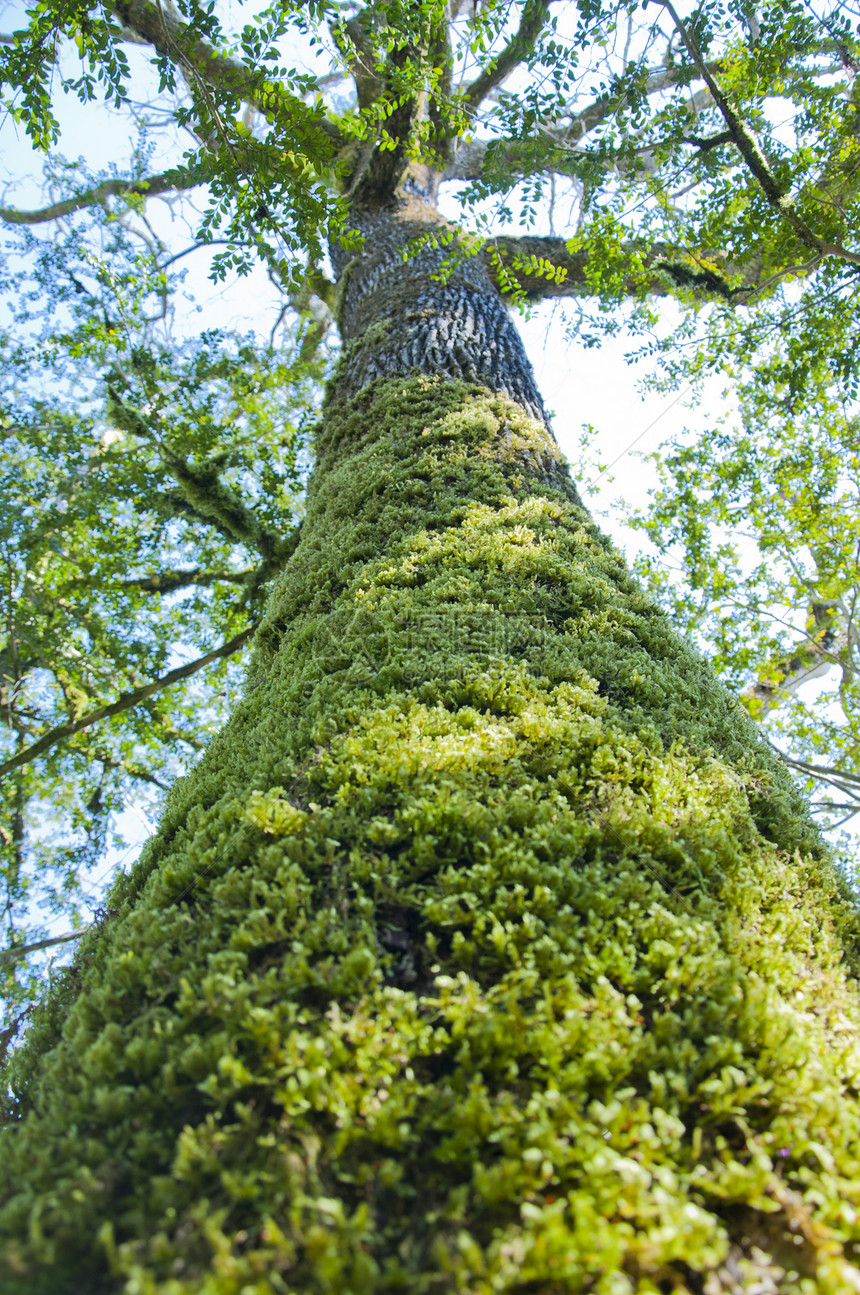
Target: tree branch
(200, 490)
(360, 57)
(809, 659)
(125, 702)
(166, 582)
(208, 498)
(139, 775)
(838, 778)
(162, 29)
(753, 155)
(18, 951)
(522, 262)
(705, 144)
(534, 15)
(559, 137)
(147, 188)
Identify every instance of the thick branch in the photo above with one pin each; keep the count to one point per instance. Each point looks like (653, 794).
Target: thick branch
(361, 57)
(150, 187)
(209, 498)
(809, 659)
(534, 15)
(165, 582)
(521, 263)
(381, 170)
(123, 703)
(163, 30)
(201, 491)
(18, 951)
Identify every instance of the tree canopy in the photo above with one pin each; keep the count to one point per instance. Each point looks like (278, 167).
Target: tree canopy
(608, 156)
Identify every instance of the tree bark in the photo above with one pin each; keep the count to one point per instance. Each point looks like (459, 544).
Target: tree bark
(486, 948)
(409, 306)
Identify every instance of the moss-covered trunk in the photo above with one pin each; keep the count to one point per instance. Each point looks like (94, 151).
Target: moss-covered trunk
(487, 950)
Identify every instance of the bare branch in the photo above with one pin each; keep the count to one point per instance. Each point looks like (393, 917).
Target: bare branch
(150, 187)
(125, 702)
(165, 582)
(139, 775)
(844, 781)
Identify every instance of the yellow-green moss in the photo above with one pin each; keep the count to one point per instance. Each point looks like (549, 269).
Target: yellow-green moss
(487, 950)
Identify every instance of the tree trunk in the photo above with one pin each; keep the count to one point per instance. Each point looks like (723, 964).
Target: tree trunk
(408, 306)
(477, 954)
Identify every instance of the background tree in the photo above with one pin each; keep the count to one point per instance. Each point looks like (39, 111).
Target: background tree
(755, 526)
(138, 542)
(476, 953)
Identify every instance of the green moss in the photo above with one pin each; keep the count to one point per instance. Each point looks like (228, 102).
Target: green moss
(477, 955)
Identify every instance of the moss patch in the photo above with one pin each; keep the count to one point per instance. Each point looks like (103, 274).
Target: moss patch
(487, 949)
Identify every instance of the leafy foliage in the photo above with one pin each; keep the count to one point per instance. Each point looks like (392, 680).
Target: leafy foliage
(756, 528)
(149, 494)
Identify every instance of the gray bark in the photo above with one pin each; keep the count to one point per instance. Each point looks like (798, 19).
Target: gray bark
(458, 328)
